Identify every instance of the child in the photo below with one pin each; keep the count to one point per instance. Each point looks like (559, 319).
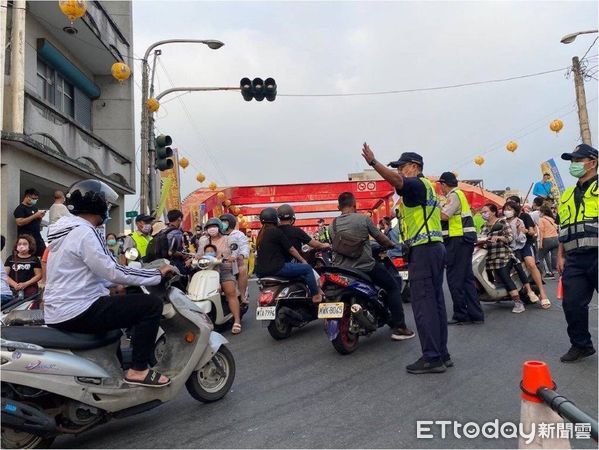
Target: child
(210, 253)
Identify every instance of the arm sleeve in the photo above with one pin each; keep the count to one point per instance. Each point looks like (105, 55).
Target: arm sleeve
(129, 243)
(243, 246)
(36, 263)
(372, 230)
(8, 261)
(19, 212)
(99, 260)
(304, 238)
(413, 192)
(507, 233)
(453, 205)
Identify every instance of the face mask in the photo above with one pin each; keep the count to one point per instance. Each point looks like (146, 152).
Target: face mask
(33, 202)
(147, 228)
(577, 169)
(508, 213)
(213, 231)
(111, 241)
(23, 248)
(211, 254)
(225, 226)
(486, 215)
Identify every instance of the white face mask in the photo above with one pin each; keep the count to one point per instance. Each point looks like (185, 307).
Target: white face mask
(147, 228)
(212, 231)
(508, 213)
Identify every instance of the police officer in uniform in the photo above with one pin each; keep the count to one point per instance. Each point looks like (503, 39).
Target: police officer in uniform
(459, 234)
(577, 254)
(141, 237)
(421, 213)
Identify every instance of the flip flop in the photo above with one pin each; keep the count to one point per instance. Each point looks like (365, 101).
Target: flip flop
(236, 328)
(545, 303)
(152, 379)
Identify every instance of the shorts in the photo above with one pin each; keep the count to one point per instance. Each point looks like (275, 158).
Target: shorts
(226, 273)
(525, 251)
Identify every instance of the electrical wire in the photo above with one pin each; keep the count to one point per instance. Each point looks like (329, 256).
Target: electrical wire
(589, 49)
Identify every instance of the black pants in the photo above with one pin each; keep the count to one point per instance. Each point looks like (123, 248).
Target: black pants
(426, 267)
(580, 280)
(381, 277)
(505, 276)
(460, 279)
(140, 311)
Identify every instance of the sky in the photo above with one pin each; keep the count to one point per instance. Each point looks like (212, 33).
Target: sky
(350, 47)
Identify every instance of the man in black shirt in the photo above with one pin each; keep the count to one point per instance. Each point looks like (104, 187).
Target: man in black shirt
(29, 219)
(297, 237)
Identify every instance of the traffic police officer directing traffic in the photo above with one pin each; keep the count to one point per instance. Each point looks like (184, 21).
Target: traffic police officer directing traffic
(577, 254)
(421, 213)
(459, 234)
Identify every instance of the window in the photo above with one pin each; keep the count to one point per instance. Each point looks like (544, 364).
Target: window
(45, 81)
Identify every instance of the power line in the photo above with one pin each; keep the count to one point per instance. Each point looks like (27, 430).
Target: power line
(589, 49)
(434, 88)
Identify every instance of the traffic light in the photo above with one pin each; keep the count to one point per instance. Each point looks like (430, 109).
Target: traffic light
(258, 89)
(164, 153)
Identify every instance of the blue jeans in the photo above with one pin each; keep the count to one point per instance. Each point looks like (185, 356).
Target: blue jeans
(296, 270)
(5, 298)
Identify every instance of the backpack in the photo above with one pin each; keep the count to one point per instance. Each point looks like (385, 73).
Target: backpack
(158, 246)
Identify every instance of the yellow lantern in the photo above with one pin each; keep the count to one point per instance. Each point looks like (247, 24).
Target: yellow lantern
(227, 203)
(511, 146)
(221, 196)
(153, 105)
(73, 9)
(234, 209)
(479, 160)
(121, 71)
(240, 217)
(556, 125)
(212, 186)
(183, 162)
(200, 177)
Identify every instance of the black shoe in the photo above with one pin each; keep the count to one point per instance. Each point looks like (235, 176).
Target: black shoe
(576, 354)
(478, 322)
(423, 366)
(458, 322)
(447, 361)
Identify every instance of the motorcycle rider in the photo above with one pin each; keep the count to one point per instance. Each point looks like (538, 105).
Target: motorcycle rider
(350, 223)
(80, 269)
(215, 237)
(241, 250)
(296, 236)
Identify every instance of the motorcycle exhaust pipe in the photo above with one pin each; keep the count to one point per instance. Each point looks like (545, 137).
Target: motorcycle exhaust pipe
(365, 322)
(22, 417)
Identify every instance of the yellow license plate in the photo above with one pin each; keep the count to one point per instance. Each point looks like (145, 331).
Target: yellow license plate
(330, 310)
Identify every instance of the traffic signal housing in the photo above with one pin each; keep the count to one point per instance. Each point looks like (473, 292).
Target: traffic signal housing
(164, 154)
(258, 89)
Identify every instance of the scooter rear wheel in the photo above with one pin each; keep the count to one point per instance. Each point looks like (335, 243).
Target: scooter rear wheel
(213, 381)
(345, 342)
(278, 329)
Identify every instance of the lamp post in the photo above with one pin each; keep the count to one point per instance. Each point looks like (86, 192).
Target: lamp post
(147, 171)
(583, 116)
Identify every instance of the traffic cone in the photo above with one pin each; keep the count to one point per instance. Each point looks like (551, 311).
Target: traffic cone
(535, 375)
(560, 289)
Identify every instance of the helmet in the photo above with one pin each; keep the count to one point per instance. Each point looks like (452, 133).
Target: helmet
(229, 218)
(269, 215)
(286, 212)
(91, 197)
(214, 221)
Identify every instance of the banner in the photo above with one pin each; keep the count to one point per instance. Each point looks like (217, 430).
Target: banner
(173, 192)
(557, 188)
(164, 192)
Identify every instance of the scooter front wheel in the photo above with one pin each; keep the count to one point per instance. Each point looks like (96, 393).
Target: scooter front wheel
(21, 439)
(213, 381)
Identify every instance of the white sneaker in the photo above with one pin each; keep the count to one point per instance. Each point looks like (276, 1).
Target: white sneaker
(518, 307)
(534, 298)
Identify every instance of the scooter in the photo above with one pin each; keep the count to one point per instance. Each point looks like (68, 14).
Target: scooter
(55, 382)
(204, 288)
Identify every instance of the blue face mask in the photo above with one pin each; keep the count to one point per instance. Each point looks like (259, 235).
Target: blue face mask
(211, 254)
(225, 226)
(33, 202)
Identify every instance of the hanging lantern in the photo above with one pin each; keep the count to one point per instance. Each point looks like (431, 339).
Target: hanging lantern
(234, 209)
(73, 9)
(479, 160)
(556, 126)
(212, 186)
(121, 71)
(153, 105)
(221, 196)
(511, 146)
(227, 203)
(200, 177)
(240, 217)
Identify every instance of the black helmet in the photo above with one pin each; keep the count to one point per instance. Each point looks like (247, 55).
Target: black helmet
(229, 218)
(286, 212)
(212, 222)
(91, 197)
(269, 215)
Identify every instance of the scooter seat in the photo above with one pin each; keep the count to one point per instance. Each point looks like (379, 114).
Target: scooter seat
(275, 281)
(345, 271)
(54, 338)
(24, 317)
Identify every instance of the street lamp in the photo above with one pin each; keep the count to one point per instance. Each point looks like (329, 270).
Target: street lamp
(147, 182)
(583, 115)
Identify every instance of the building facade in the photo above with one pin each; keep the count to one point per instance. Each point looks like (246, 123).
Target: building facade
(64, 117)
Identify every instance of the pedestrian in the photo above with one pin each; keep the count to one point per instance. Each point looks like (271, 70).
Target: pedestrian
(460, 236)
(535, 214)
(141, 237)
(113, 245)
(577, 254)
(23, 268)
(58, 209)
(29, 219)
(5, 292)
(241, 251)
(543, 188)
(174, 235)
(323, 232)
(421, 213)
(548, 238)
(394, 235)
(199, 232)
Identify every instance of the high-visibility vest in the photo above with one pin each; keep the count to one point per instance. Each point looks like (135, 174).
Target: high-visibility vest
(461, 224)
(141, 242)
(423, 222)
(578, 226)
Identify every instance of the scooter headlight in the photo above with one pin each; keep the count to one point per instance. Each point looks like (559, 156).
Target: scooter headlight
(203, 263)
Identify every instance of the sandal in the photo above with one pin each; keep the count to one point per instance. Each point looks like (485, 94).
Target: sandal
(545, 303)
(236, 328)
(152, 379)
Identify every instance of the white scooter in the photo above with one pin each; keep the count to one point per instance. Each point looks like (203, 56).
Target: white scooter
(55, 382)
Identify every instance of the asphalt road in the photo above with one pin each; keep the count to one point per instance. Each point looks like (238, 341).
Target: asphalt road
(300, 393)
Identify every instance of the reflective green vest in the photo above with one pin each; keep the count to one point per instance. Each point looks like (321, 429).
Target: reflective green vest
(141, 242)
(578, 226)
(423, 222)
(460, 224)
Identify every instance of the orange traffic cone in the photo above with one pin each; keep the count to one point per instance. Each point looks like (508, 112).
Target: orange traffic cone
(535, 375)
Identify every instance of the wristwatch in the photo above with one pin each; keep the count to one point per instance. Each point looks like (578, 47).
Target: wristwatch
(373, 162)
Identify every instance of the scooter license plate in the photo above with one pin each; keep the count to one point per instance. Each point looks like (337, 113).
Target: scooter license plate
(330, 310)
(266, 312)
(403, 274)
